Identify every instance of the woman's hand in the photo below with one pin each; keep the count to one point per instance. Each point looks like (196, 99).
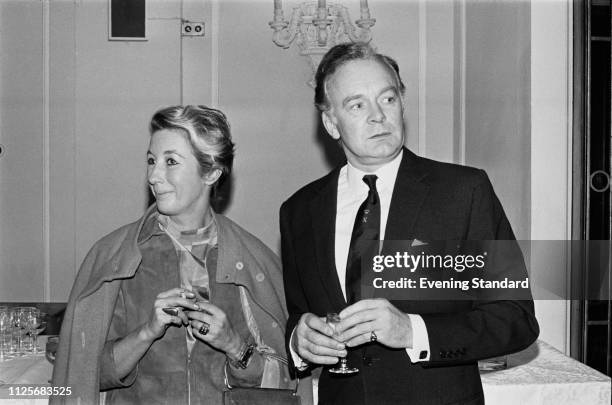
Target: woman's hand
(221, 335)
(159, 320)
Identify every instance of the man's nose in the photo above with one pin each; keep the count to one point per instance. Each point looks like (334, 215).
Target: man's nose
(376, 114)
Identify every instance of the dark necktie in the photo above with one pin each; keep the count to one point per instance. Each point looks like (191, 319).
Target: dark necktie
(365, 230)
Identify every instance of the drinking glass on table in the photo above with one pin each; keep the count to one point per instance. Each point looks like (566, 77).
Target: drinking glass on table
(332, 319)
(6, 333)
(23, 322)
(35, 324)
(20, 342)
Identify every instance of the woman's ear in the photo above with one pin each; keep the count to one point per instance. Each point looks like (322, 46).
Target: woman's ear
(212, 176)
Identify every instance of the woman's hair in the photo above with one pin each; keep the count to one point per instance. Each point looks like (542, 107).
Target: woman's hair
(208, 133)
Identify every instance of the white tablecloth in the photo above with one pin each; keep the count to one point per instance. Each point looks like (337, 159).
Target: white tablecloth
(542, 375)
(32, 369)
(539, 375)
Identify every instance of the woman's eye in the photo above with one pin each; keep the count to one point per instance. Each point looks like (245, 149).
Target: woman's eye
(171, 162)
(357, 106)
(150, 161)
(389, 100)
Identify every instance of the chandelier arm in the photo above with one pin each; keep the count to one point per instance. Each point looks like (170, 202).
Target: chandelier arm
(362, 34)
(285, 32)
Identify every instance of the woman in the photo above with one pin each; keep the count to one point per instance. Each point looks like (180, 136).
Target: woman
(173, 307)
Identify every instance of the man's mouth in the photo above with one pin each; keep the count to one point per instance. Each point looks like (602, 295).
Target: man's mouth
(380, 135)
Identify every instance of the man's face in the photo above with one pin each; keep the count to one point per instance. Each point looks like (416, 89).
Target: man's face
(366, 113)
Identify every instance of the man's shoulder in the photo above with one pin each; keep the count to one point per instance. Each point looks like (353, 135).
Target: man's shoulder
(447, 174)
(312, 189)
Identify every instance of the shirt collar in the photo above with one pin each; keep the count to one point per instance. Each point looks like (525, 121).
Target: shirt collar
(150, 227)
(386, 175)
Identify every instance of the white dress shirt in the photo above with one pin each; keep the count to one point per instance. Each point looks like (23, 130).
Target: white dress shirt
(352, 191)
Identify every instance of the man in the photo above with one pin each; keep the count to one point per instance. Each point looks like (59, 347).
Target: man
(408, 352)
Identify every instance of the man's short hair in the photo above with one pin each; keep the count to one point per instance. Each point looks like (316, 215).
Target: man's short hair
(341, 54)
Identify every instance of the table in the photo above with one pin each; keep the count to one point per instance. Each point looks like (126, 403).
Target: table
(538, 375)
(543, 375)
(32, 369)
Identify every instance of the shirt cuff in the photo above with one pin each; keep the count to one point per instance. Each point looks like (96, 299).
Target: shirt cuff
(420, 340)
(299, 362)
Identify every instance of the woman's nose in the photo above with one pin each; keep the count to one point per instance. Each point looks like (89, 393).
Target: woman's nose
(155, 175)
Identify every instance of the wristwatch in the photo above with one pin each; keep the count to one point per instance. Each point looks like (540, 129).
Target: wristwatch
(244, 356)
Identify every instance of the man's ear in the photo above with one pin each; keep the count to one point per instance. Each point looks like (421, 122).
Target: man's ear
(330, 125)
(403, 101)
(212, 176)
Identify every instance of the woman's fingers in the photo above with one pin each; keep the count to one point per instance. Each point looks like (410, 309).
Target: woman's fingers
(211, 309)
(181, 292)
(199, 316)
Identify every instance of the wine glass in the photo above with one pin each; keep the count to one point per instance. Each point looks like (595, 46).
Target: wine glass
(20, 343)
(332, 319)
(35, 323)
(6, 333)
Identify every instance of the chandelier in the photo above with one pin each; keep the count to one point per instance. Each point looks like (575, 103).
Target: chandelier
(318, 26)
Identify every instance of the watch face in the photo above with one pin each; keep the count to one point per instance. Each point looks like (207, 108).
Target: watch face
(244, 357)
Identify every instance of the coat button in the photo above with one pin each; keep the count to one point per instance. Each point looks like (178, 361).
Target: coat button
(239, 265)
(260, 277)
(274, 325)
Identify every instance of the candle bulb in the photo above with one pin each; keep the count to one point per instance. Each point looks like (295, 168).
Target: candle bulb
(278, 5)
(321, 3)
(365, 12)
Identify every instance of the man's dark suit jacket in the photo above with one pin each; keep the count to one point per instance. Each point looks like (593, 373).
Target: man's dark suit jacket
(431, 201)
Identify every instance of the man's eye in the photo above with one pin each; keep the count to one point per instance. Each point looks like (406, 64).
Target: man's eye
(150, 161)
(356, 106)
(389, 99)
(171, 162)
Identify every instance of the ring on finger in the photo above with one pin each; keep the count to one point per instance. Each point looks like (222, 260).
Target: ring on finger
(204, 329)
(373, 337)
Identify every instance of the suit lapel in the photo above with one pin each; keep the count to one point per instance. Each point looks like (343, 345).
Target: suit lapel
(323, 214)
(409, 194)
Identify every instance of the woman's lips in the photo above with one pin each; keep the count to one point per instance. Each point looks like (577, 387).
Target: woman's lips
(162, 195)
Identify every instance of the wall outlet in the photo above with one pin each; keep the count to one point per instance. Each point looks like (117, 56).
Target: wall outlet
(192, 29)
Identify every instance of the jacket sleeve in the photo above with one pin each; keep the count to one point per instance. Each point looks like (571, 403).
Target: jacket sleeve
(64, 373)
(108, 370)
(295, 297)
(492, 327)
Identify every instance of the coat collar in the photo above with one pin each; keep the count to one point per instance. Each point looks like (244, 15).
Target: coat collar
(235, 254)
(123, 255)
(411, 188)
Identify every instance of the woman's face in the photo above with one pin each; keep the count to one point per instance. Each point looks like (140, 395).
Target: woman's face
(172, 171)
